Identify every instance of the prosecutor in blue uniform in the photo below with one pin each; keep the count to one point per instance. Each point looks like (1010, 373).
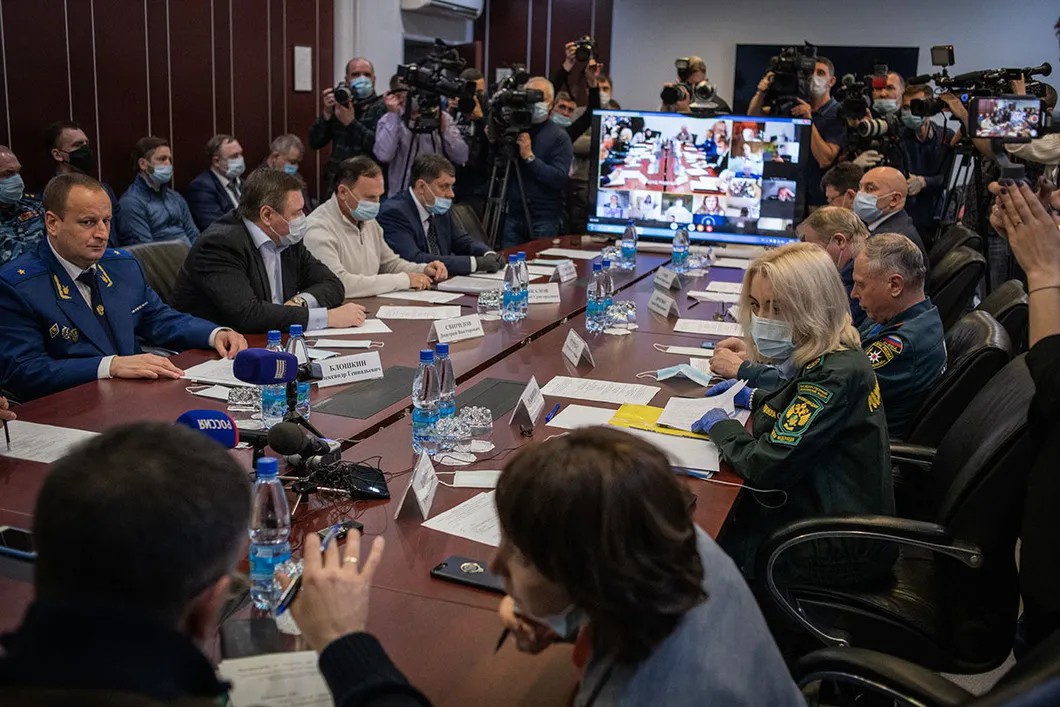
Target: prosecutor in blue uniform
(75, 310)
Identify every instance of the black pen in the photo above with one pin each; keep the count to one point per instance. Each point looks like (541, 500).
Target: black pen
(7, 435)
(502, 639)
(292, 589)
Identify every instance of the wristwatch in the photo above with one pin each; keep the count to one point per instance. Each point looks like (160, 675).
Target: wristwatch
(300, 301)
(530, 159)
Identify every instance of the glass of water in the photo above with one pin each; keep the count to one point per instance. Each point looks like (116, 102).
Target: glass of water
(480, 425)
(489, 305)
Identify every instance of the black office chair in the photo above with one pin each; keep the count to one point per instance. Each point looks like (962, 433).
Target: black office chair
(469, 220)
(1008, 305)
(870, 672)
(161, 263)
(951, 602)
(977, 347)
(955, 235)
(952, 282)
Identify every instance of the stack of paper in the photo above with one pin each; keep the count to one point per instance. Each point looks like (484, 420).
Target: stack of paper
(432, 296)
(276, 679)
(475, 519)
(600, 391)
(573, 417)
(680, 413)
(708, 296)
(732, 287)
(370, 326)
(708, 327)
(448, 311)
(471, 285)
(571, 253)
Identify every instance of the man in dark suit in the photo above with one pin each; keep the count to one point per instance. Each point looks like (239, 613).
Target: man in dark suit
(417, 224)
(215, 192)
(75, 310)
(251, 271)
(880, 203)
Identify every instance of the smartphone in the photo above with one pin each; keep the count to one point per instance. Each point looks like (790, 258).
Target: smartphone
(344, 528)
(472, 573)
(707, 345)
(1008, 118)
(17, 542)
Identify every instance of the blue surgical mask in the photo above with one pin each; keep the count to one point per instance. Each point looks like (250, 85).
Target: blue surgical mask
(539, 113)
(885, 106)
(561, 120)
(865, 206)
(365, 211)
(289, 168)
(162, 173)
(11, 189)
(913, 122)
(565, 624)
(236, 166)
(685, 369)
(441, 203)
(772, 338)
(362, 86)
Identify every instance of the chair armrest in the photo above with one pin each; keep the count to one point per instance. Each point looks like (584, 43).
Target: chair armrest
(884, 674)
(916, 454)
(899, 531)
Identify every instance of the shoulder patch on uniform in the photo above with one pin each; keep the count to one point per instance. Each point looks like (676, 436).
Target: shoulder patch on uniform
(874, 395)
(819, 392)
(814, 363)
(895, 342)
(112, 253)
(796, 419)
(19, 270)
(884, 351)
(768, 411)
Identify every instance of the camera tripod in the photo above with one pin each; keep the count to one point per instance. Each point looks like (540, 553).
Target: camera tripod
(497, 198)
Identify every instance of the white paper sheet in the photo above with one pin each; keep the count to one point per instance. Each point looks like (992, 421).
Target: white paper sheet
(477, 479)
(343, 343)
(683, 452)
(571, 417)
(472, 285)
(719, 286)
(475, 519)
(316, 354)
(708, 327)
(738, 263)
(680, 413)
(600, 391)
(690, 351)
(370, 326)
(707, 296)
(279, 679)
(700, 364)
(534, 271)
(432, 296)
(571, 253)
(214, 392)
(449, 311)
(41, 443)
(218, 372)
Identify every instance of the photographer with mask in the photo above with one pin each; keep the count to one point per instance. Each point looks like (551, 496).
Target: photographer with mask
(928, 150)
(679, 96)
(473, 177)
(828, 135)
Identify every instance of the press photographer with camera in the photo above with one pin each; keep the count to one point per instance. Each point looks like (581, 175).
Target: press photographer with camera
(928, 150)
(828, 134)
(692, 92)
(472, 178)
(349, 118)
(871, 110)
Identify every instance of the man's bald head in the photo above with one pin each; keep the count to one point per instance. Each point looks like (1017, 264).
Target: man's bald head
(888, 185)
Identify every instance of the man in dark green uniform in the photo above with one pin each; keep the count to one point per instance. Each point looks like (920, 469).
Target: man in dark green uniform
(903, 336)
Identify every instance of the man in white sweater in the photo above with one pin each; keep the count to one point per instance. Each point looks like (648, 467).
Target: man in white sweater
(344, 235)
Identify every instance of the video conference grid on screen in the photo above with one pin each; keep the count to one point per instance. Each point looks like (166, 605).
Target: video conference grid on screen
(730, 179)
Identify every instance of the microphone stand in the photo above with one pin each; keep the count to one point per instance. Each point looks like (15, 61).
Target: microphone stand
(307, 372)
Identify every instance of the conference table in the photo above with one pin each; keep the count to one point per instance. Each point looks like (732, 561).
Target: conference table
(441, 634)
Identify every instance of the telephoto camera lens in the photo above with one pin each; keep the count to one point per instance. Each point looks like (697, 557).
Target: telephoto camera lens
(872, 127)
(674, 93)
(343, 94)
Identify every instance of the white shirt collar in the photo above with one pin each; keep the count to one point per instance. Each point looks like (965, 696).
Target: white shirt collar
(225, 181)
(876, 224)
(424, 215)
(259, 236)
(72, 270)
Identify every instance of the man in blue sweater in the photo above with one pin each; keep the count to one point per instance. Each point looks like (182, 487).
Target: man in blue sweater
(545, 155)
(151, 210)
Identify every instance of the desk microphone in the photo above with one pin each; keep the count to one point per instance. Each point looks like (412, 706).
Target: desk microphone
(221, 428)
(301, 447)
(264, 367)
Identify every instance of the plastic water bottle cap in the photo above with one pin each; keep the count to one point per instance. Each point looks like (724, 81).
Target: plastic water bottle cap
(268, 468)
(598, 267)
(441, 349)
(513, 259)
(295, 330)
(521, 255)
(273, 335)
(606, 264)
(426, 356)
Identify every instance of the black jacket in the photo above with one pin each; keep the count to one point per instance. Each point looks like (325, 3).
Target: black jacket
(224, 275)
(902, 222)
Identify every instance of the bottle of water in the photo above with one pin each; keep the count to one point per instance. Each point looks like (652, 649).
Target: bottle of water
(679, 254)
(607, 286)
(594, 311)
(296, 345)
(425, 404)
(524, 277)
(511, 304)
(446, 381)
(273, 397)
(629, 247)
(270, 524)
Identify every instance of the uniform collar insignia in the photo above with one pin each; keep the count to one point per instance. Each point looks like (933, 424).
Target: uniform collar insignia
(62, 290)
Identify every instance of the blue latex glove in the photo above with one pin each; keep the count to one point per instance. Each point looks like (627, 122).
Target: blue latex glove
(720, 388)
(703, 424)
(743, 398)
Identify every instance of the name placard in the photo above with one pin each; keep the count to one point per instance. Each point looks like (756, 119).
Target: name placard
(456, 329)
(424, 484)
(575, 349)
(547, 293)
(667, 279)
(564, 272)
(531, 404)
(662, 304)
(347, 369)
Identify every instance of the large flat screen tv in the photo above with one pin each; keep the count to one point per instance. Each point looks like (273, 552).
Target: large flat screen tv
(729, 179)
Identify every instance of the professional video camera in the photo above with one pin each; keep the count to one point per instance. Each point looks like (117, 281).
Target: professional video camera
(437, 75)
(792, 70)
(973, 84)
(510, 105)
(585, 48)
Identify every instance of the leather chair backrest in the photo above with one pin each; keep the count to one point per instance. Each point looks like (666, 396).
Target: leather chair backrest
(954, 236)
(952, 282)
(470, 221)
(161, 263)
(977, 347)
(1008, 305)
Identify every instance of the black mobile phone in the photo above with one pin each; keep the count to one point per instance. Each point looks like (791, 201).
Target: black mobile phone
(464, 570)
(17, 542)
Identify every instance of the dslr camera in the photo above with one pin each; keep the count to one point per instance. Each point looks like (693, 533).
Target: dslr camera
(343, 94)
(685, 90)
(511, 104)
(792, 71)
(437, 75)
(585, 49)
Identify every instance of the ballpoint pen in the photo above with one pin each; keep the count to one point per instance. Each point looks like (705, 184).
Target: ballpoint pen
(292, 589)
(7, 436)
(552, 413)
(502, 639)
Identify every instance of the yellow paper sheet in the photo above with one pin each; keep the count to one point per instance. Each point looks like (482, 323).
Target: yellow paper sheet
(644, 417)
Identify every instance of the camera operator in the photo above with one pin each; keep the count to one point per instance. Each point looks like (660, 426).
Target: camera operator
(348, 124)
(928, 150)
(545, 155)
(473, 177)
(398, 146)
(828, 134)
(887, 99)
(692, 92)
(579, 127)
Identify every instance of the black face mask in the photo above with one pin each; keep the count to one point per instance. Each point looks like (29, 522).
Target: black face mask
(82, 159)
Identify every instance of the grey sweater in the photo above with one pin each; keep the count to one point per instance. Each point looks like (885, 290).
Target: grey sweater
(720, 654)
